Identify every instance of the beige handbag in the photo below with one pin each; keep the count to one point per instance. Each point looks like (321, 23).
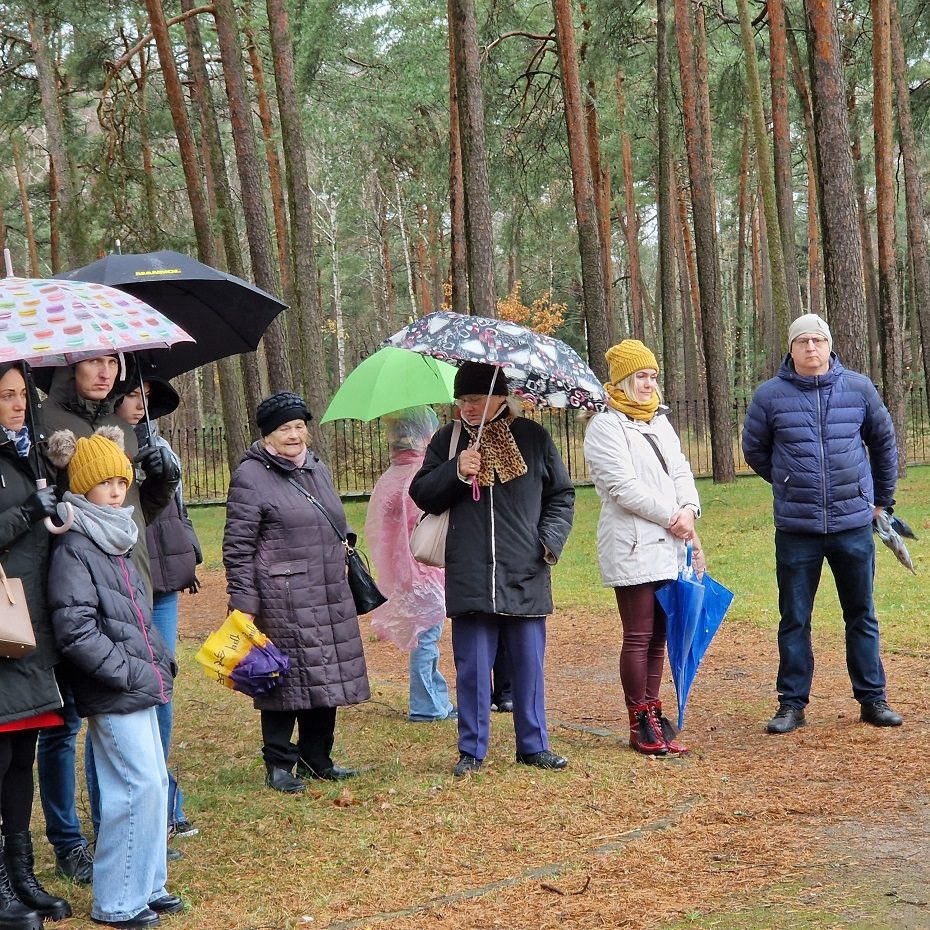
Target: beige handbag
(17, 638)
(428, 539)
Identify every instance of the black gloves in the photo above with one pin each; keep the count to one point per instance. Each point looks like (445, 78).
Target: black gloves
(158, 463)
(40, 505)
(195, 587)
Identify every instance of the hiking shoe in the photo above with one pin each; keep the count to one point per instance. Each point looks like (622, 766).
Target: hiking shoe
(879, 714)
(181, 828)
(542, 760)
(467, 765)
(786, 719)
(77, 864)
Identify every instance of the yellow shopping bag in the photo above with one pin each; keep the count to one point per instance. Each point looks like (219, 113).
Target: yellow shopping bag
(241, 657)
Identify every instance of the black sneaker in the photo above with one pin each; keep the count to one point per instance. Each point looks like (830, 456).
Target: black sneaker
(542, 760)
(181, 828)
(77, 864)
(786, 719)
(879, 714)
(467, 765)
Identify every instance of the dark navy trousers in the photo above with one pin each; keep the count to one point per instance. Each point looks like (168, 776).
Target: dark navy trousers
(474, 647)
(799, 561)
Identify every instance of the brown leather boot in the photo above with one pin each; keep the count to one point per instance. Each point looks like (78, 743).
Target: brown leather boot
(666, 728)
(645, 735)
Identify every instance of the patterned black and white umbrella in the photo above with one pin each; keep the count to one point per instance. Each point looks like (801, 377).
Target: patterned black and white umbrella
(542, 370)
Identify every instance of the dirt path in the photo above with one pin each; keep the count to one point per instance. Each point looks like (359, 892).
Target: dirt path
(768, 829)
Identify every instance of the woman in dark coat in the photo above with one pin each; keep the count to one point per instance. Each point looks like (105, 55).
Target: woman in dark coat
(29, 695)
(499, 550)
(285, 568)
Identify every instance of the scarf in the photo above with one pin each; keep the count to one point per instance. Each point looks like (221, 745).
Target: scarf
(110, 528)
(20, 438)
(632, 408)
(499, 452)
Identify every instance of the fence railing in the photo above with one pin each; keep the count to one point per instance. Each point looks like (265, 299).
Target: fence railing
(359, 454)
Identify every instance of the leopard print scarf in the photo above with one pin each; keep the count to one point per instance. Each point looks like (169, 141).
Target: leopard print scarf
(499, 453)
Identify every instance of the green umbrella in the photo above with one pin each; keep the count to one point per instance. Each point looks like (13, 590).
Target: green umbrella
(390, 380)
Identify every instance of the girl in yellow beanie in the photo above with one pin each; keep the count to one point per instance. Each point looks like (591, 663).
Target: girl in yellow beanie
(649, 503)
(119, 670)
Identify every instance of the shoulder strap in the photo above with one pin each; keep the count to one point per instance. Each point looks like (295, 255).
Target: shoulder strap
(454, 441)
(655, 448)
(343, 539)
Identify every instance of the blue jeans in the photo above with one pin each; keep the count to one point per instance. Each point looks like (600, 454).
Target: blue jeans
(429, 693)
(165, 620)
(57, 782)
(799, 562)
(129, 862)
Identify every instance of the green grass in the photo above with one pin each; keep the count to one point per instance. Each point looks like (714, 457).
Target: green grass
(738, 536)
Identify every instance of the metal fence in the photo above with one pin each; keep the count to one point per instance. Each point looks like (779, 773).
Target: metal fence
(358, 451)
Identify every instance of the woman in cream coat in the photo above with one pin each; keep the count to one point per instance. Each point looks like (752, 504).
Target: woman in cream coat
(649, 503)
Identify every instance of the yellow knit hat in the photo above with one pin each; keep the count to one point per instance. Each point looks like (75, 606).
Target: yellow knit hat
(90, 461)
(627, 358)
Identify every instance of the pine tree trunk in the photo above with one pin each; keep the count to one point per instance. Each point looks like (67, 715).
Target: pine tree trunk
(458, 257)
(631, 226)
(251, 188)
(841, 252)
(54, 220)
(592, 280)
(888, 294)
(303, 243)
(814, 261)
(32, 248)
(148, 165)
(781, 151)
(479, 230)
(916, 232)
(776, 257)
(702, 205)
(600, 178)
(743, 343)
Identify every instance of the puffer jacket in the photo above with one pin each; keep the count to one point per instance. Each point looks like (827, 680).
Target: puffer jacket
(115, 660)
(496, 546)
(827, 446)
(148, 497)
(286, 566)
(27, 686)
(638, 496)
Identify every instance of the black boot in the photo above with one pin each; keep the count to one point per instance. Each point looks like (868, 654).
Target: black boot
(14, 915)
(20, 866)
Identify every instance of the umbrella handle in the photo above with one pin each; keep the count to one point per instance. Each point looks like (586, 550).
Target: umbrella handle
(54, 528)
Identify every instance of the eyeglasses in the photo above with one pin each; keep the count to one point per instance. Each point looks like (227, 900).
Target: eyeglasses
(818, 341)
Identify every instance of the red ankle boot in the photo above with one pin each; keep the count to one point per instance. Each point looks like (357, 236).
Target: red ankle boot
(666, 728)
(645, 735)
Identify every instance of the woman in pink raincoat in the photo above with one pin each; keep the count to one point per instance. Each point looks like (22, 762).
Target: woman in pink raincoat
(415, 612)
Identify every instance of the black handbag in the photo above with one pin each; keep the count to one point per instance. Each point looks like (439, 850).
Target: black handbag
(365, 592)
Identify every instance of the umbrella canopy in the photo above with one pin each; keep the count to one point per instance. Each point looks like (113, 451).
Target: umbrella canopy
(540, 369)
(49, 322)
(225, 314)
(889, 535)
(391, 379)
(694, 609)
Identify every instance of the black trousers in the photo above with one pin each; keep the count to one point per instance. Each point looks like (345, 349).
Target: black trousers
(315, 733)
(17, 758)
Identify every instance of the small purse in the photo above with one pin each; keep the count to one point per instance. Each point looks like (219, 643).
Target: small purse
(17, 637)
(365, 592)
(428, 539)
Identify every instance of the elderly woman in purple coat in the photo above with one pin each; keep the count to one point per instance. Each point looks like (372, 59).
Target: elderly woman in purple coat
(285, 567)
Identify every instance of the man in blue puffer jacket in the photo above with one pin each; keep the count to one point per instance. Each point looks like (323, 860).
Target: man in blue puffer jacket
(821, 436)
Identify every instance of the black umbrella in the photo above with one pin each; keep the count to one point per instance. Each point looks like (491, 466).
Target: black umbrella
(225, 314)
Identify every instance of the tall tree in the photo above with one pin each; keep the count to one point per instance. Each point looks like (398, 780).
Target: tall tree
(301, 207)
(781, 150)
(837, 201)
(892, 342)
(702, 207)
(631, 225)
(479, 229)
(458, 257)
(766, 181)
(916, 231)
(251, 186)
(592, 280)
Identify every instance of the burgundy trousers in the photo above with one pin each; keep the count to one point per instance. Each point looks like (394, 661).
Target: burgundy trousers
(642, 655)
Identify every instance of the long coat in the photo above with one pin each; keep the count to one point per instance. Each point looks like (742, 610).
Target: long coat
(27, 685)
(148, 497)
(286, 566)
(638, 496)
(497, 546)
